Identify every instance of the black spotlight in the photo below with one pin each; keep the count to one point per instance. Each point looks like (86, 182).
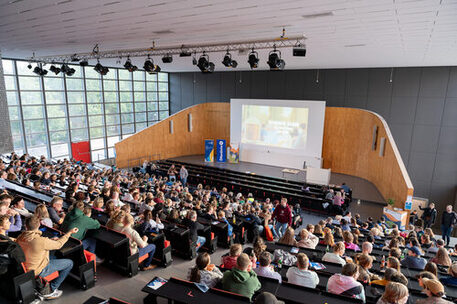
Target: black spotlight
(228, 62)
(167, 58)
(149, 65)
(275, 62)
(204, 64)
(253, 59)
(101, 69)
(194, 61)
(67, 70)
(84, 62)
(74, 58)
(39, 70)
(129, 66)
(29, 66)
(54, 69)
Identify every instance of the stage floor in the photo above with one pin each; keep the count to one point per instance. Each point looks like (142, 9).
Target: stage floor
(361, 188)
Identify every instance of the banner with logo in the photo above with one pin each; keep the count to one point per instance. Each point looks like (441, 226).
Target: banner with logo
(221, 151)
(233, 153)
(209, 150)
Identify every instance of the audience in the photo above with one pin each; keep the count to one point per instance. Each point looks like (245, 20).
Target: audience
(413, 260)
(288, 237)
(307, 240)
(204, 272)
(345, 283)
(395, 293)
(265, 269)
(300, 275)
(434, 291)
(451, 279)
(337, 255)
(241, 279)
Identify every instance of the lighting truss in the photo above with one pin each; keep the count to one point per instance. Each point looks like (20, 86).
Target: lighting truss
(281, 42)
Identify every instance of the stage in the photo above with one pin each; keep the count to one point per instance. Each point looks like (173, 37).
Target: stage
(371, 199)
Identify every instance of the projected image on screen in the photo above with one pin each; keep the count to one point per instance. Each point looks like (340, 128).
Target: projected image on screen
(283, 127)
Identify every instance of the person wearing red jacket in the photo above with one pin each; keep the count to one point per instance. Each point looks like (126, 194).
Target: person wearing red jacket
(283, 216)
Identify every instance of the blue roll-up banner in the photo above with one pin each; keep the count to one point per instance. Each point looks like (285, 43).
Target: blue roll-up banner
(209, 150)
(221, 151)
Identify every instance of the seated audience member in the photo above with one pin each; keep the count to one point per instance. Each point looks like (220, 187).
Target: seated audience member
(395, 252)
(337, 255)
(337, 233)
(338, 202)
(300, 275)
(229, 260)
(55, 210)
(241, 279)
(395, 293)
(387, 277)
(41, 213)
(328, 237)
(348, 238)
(204, 272)
(393, 262)
(452, 278)
(288, 238)
(19, 206)
(307, 240)
(345, 225)
(137, 243)
(194, 226)
(367, 248)
(267, 298)
(427, 275)
(413, 260)
(345, 283)
(148, 224)
(36, 249)
(318, 230)
(432, 268)
(222, 218)
(442, 257)
(434, 291)
(76, 218)
(15, 218)
(265, 269)
(365, 263)
(98, 204)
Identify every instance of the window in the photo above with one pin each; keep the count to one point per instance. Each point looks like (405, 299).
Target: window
(48, 113)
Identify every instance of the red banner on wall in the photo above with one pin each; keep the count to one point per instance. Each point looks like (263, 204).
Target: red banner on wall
(81, 151)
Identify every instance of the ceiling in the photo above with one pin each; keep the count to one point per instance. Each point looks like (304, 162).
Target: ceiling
(340, 33)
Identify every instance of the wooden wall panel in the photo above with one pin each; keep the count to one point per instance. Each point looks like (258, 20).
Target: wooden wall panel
(346, 146)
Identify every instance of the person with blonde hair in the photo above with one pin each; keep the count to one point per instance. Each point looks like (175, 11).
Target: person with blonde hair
(336, 256)
(229, 260)
(307, 240)
(442, 257)
(288, 238)
(41, 213)
(434, 291)
(328, 237)
(395, 293)
(300, 275)
(451, 279)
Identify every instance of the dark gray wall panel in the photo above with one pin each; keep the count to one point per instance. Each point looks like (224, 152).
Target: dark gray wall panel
(443, 194)
(175, 93)
(423, 125)
(403, 109)
(450, 113)
(406, 81)
(213, 88)
(434, 82)
(228, 86)
(429, 111)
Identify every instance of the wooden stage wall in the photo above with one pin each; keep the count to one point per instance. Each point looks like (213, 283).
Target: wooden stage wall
(347, 146)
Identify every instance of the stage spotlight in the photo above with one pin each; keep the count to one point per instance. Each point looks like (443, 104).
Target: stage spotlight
(228, 62)
(67, 70)
(74, 58)
(39, 70)
(275, 62)
(148, 65)
(299, 50)
(101, 69)
(29, 66)
(129, 66)
(253, 59)
(167, 58)
(54, 69)
(185, 53)
(194, 61)
(84, 63)
(204, 64)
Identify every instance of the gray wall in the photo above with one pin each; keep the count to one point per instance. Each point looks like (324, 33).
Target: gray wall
(6, 141)
(420, 106)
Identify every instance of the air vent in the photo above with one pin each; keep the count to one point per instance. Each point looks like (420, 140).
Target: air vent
(157, 4)
(318, 15)
(111, 3)
(63, 2)
(163, 32)
(354, 45)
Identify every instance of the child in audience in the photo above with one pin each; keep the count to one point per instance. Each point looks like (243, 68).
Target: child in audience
(265, 269)
(349, 241)
(241, 279)
(442, 257)
(307, 240)
(346, 283)
(229, 261)
(300, 275)
(288, 238)
(328, 237)
(395, 293)
(337, 255)
(434, 291)
(204, 272)
(41, 213)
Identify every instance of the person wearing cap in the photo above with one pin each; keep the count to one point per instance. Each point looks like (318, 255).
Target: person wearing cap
(434, 291)
(413, 260)
(452, 278)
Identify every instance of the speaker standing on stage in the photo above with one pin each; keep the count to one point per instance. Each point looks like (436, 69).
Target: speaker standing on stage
(283, 216)
(429, 215)
(448, 220)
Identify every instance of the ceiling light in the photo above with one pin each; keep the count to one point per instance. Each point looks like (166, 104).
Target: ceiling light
(84, 62)
(185, 53)
(54, 69)
(101, 69)
(129, 66)
(67, 70)
(228, 62)
(39, 70)
(150, 67)
(29, 66)
(253, 59)
(275, 62)
(167, 58)
(74, 58)
(299, 50)
(204, 64)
